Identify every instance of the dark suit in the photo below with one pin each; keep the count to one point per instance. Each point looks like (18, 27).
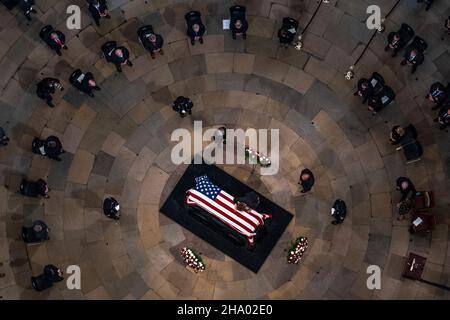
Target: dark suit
(285, 36)
(109, 208)
(396, 44)
(81, 82)
(307, 184)
(109, 49)
(45, 89)
(365, 93)
(152, 46)
(97, 13)
(27, 7)
(192, 34)
(243, 29)
(183, 106)
(438, 92)
(54, 44)
(408, 193)
(53, 148)
(444, 117)
(414, 61)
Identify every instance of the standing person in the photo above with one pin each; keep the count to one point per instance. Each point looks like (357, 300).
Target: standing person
(153, 43)
(408, 193)
(443, 117)
(84, 82)
(238, 22)
(98, 10)
(118, 56)
(413, 57)
(195, 27)
(57, 41)
(306, 180)
(3, 137)
(27, 8)
(365, 90)
(47, 87)
(437, 94)
(183, 106)
(111, 208)
(338, 211)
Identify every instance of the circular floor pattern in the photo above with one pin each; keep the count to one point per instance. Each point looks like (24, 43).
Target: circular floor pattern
(119, 144)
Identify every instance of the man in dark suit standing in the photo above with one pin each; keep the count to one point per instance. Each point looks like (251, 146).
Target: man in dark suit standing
(413, 57)
(56, 40)
(306, 180)
(27, 8)
(47, 87)
(98, 10)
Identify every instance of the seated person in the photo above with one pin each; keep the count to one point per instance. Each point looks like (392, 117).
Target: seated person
(46, 87)
(398, 40)
(53, 273)
(438, 94)
(53, 148)
(365, 90)
(119, 56)
(37, 233)
(414, 54)
(84, 82)
(238, 21)
(408, 192)
(34, 188)
(250, 199)
(111, 208)
(401, 135)
(338, 211)
(195, 27)
(55, 39)
(381, 99)
(152, 42)
(287, 32)
(183, 106)
(443, 117)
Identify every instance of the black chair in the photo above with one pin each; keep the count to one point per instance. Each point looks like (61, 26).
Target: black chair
(108, 48)
(385, 96)
(406, 32)
(10, 4)
(76, 77)
(193, 17)
(142, 31)
(45, 31)
(377, 82)
(237, 13)
(290, 23)
(41, 282)
(29, 188)
(419, 43)
(412, 151)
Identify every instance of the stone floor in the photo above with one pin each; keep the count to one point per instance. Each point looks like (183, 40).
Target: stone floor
(119, 144)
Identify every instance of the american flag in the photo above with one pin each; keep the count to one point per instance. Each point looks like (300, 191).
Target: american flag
(219, 203)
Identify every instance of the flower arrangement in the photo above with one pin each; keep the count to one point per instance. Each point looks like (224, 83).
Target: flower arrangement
(193, 259)
(260, 159)
(298, 248)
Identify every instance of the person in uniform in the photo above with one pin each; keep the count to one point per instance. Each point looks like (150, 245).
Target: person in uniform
(84, 82)
(111, 208)
(438, 94)
(408, 193)
(3, 137)
(306, 180)
(56, 40)
(183, 106)
(27, 8)
(365, 90)
(98, 10)
(46, 87)
(118, 56)
(195, 27)
(413, 57)
(338, 212)
(443, 117)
